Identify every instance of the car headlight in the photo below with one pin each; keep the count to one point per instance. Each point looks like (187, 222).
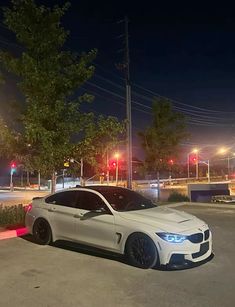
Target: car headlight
(172, 237)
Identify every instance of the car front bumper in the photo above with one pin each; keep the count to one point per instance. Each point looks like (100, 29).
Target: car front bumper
(187, 254)
(185, 264)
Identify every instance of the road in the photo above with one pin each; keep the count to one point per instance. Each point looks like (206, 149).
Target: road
(33, 275)
(25, 196)
(19, 197)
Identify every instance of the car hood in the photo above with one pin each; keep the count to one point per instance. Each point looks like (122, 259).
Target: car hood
(164, 219)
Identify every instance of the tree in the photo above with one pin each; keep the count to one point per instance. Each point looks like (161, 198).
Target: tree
(7, 140)
(102, 135)
(48, 78)
(161, 139)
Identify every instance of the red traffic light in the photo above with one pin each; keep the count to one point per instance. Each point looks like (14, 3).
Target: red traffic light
(13, 165)
(171, 161)
(112, 164)
(194, 159)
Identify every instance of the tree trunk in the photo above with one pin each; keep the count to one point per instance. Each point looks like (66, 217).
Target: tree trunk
(39, 181)
(22, 179)
(28, 183)
(53, 182)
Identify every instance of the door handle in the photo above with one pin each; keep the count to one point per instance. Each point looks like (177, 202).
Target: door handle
(78, 215)
(51, 210)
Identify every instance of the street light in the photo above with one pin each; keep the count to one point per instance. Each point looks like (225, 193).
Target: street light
(208, 169)
(117, 157)
(72, 160)
(224, 151)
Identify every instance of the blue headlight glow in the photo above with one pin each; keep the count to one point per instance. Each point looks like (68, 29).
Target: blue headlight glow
(172, 237)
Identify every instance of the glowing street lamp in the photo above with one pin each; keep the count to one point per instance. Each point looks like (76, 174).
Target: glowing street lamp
(224, 151)
(117, 155)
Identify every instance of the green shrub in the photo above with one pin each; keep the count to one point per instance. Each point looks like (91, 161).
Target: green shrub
(177, 197)
(12, 215)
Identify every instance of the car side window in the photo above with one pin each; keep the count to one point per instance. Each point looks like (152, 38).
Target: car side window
(90, 201)
(67, 199)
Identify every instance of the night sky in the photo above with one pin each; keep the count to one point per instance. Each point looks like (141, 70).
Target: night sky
(184, 51)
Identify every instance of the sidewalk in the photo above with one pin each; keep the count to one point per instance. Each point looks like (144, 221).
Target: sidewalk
(208, 205)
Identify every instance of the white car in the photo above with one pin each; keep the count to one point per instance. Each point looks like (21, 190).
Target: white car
(154, 184)
(223, 199)
(122, 221)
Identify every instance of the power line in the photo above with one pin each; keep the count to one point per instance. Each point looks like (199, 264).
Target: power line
(164, 97)
(198, 116)
(195, 119)
(196, 113)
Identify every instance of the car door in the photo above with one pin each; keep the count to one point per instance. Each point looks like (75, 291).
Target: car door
(61, 211)
(95, 222)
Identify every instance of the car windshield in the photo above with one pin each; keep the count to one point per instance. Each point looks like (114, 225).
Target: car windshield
(126, 200)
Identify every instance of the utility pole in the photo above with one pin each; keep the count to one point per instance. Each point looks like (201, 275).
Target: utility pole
(208, 170)
(197, 166)
(11, 181)
(39, 180)
(82, 182)
(126, 66)
(107, 166)
(188, 164)
(128, 108)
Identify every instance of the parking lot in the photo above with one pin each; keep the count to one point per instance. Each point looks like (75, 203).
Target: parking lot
(32, 275)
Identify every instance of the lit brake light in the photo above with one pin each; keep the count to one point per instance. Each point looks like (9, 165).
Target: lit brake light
(28, 208)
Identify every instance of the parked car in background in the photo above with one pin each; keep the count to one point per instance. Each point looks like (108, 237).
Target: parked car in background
(223, 199)
(154, 184)
(122, 221)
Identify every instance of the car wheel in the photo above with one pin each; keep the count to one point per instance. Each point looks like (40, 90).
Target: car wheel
(141, 251)
(42, 232)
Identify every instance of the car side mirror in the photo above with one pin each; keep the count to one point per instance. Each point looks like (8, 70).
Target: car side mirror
(101, 210)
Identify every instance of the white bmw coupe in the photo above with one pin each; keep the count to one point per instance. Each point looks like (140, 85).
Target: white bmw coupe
(122, 221)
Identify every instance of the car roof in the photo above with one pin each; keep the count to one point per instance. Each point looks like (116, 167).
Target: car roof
(100, 188)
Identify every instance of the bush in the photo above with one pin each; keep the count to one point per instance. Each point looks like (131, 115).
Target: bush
(12, 215)
(177, 197)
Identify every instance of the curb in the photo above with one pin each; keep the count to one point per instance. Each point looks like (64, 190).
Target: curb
(8, 234)
(208, 205)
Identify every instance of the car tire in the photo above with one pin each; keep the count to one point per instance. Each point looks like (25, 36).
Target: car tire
(141, 251)
(42, 232)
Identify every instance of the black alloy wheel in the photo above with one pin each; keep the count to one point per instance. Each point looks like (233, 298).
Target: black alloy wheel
(141, 251)
(42, 232)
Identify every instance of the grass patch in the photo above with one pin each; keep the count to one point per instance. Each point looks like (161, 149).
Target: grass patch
(177, 197)
(12, 216)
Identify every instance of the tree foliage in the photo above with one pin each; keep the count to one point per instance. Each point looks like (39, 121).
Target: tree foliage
(161, 139)
(55, 128)
(102, 135)
(48, 77)
(7, 140)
